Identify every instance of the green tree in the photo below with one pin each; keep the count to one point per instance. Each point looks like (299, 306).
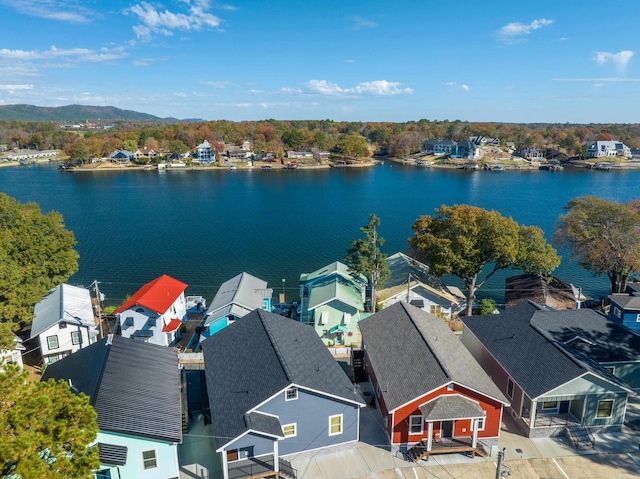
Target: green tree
(486, 306)
(364, 258)
(604, 237)
(130, 145)
(353, 146)
(79, 152)
(462, 240)
(46, 429)
(293, 139)
(36, 254)
(177, 147)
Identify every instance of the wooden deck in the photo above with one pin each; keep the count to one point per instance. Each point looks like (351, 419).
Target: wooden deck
(459, 445)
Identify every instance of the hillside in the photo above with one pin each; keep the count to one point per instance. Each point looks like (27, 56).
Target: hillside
(74, 113)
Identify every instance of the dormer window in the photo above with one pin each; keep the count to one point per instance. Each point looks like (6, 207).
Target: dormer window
(291, 394)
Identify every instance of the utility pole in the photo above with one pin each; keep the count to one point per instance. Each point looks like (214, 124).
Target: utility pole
(97, 290)
(499, 472)
(408, 287)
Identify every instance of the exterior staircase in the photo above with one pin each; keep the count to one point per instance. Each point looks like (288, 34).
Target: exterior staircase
(580, 436)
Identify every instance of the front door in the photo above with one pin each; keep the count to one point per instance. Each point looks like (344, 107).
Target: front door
(447, 429)
(564, 407)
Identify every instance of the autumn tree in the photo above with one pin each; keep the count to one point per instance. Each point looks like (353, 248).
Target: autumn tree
(465, 241)
(365, 259)
(46, 429)
(353, 146)
(36, 254)
(603, 236)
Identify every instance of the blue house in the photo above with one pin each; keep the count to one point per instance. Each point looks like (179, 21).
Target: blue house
(625, 309)
(134, 388)
(235, 298)
(275, 390)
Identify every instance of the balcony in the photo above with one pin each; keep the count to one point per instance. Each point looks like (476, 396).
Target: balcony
(256, 468)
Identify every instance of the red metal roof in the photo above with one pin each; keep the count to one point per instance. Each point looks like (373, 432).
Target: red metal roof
(157, 295)
(171, 326)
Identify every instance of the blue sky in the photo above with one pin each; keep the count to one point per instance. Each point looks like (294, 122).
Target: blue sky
(506, 61)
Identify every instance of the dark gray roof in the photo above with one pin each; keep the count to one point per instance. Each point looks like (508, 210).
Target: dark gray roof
(451, 406)
(591, 334)
(251, 360)
(626, 300)
(530, 356)
(401, 265)
(413, 352)
(112, 454)
(133, 386)
(264, 423)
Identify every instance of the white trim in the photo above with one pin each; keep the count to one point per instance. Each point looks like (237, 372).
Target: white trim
(155, 458)
(613, 403)
(322, 393)
(589, 373)
(421, 424)
(477, 421)
(341, 416)
(248, 431)
(286, 394)
(295, 430)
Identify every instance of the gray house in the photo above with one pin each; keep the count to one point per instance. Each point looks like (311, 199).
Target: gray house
(540, 359)
(275, 390)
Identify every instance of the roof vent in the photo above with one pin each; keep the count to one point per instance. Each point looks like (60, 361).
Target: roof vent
(109, 340)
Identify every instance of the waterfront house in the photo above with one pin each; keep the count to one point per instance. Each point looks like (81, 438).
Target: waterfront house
(299, 155)
(553, 292)
(426, 291)
(154, 313)
(63, 323)
(332, 301)
(204, 154)
(135, 391)
(146, 153)
(438, 147)
(275, 390)
(467, 149)
(552, 384)
(598, 149)
(625, 308)
(429, 389)
(122, 156)
(235, 299)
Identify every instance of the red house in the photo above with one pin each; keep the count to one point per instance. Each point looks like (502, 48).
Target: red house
(432, 394)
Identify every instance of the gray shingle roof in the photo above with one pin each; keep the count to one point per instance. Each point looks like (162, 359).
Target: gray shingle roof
(239, 295)
(251, 360)
(413, 352)
(626, 300)
(530, 355)
(65, 302)
(133, 386)
(451, 406)
(264, 423)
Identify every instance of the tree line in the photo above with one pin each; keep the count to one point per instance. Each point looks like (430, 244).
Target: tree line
(278, 136)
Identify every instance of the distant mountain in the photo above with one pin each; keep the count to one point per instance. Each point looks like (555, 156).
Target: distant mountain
(74, 113)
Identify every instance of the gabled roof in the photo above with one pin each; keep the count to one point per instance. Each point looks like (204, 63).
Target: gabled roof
(71, 304)
(413, 352)
(530, 355)
(331, 269)
(251, 360)
(133, 386)
(157, 295)
(627, 301)
(238, 296)
(401, 266)
(337, 287)
(555, 293)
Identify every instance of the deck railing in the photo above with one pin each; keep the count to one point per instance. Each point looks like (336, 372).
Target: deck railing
(262, 468)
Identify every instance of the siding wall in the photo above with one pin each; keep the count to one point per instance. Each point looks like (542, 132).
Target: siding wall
(628, 373)
(252, 445)
(335, 310)
(166, 457)
(64, 339)
(311, 414)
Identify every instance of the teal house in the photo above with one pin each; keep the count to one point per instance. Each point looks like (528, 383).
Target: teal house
(563, 371)
(236, 298)
(332, 301)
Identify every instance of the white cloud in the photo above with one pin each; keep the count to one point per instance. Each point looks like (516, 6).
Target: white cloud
(598, 80)
(65, 11)
(619, 60)
(217, 84)
(80, 54)
(349, 61)
(290, 90)
(455, 84)
(15, 88)
(450, 83)
(512, 32)
(360, 23)
(464, 87)
(373, 88)
(154, 20)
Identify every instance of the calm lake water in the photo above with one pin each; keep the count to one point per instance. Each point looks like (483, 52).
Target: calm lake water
(203, 227)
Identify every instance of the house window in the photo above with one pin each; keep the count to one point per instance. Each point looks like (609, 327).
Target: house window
(139, 310)
(510, 388)
(479, 424)
(611, 369)
(324, 317)
(52, 342)
(415, 424)
(335, 425)
(617, 312)
(291, 394)
(149, 459)
(325, 333)
(76, 337)
(605, 409)
(549, 405)
(347, 318)
(103, 474)
(289, 430)
(435, 309)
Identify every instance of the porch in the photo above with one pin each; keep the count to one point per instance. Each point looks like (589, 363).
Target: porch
(461, 445)
(256, 468)
(553, 420)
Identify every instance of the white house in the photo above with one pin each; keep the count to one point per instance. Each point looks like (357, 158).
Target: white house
(598, 149)
(155, 312)
(63, 322)
(204, 153)
(14, 355)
